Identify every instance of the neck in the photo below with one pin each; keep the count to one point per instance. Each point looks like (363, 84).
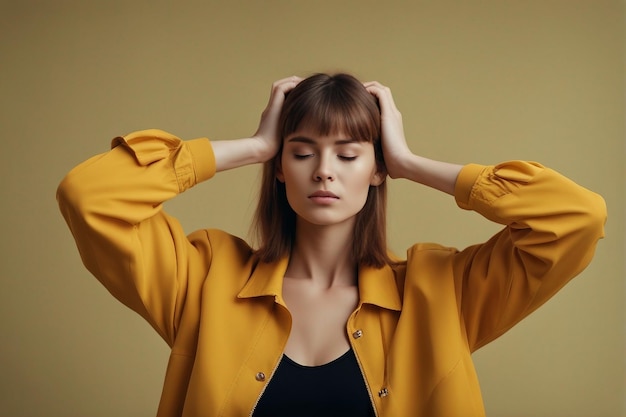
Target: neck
(323, 254)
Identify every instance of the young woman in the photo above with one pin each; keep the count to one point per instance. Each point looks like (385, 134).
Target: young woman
(318, 320)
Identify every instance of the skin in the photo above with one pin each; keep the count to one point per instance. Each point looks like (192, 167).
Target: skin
(320, 285)
(320, 282)
(335, 164)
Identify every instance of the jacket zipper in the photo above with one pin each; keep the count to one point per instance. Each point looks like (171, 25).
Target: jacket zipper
(358, 359)
(367, 385)
(266, 385)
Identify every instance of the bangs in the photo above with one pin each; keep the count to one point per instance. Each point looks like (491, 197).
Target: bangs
(334, 117)
(332, 105)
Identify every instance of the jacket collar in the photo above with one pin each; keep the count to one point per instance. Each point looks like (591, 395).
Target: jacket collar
(376, 286)
(266, 280)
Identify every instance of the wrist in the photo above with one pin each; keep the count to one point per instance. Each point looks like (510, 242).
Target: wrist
(262, 149)
(402, 165)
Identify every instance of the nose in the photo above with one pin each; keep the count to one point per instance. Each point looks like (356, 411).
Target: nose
(324, 170)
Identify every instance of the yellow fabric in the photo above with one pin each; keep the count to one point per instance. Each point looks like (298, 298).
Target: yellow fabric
(222, 312)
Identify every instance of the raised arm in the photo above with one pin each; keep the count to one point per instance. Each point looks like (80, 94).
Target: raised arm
(399, 160)
(264, 144)
(551, 227)
(113, 202)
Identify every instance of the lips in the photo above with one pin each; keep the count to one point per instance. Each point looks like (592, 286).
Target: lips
(323, 194)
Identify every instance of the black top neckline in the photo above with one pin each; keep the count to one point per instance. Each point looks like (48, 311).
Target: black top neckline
(343, 356)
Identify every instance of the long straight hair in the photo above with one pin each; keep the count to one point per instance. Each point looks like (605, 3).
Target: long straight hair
(327, 104)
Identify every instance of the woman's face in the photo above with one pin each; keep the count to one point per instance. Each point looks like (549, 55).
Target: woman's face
(327, 178)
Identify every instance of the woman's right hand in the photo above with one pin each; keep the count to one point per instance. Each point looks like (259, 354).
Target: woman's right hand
(268, 133)
(265, 143)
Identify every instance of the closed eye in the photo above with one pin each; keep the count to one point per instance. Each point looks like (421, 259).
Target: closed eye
(347, 158)
(302, 156)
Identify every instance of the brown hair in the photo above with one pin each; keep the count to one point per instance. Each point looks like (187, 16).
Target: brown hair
(329, 104)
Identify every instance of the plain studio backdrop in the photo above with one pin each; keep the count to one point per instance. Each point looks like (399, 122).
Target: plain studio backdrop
(477, 81)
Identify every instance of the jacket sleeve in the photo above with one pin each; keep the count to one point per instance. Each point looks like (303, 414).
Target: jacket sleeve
(112, 204)
(552, 226)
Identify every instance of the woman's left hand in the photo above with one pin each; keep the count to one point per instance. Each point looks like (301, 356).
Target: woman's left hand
(395, 149)
(399, 160)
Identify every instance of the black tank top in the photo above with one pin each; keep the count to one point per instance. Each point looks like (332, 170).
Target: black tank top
(333, 389)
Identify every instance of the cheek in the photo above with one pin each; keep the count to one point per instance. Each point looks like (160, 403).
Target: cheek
(366, 173)
(288, 171)
(360, 184)
(294, 180)
(290, 174)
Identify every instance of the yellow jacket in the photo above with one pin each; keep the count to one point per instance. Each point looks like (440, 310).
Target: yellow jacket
(222, 312)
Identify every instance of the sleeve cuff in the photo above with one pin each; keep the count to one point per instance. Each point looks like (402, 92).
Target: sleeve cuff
(203, 158)
(465, 183)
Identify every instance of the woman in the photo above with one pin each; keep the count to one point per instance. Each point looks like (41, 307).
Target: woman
(319, 321)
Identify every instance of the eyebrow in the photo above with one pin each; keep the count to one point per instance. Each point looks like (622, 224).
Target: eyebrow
(304, 139)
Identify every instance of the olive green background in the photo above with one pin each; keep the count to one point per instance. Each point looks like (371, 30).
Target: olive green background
(476, 81)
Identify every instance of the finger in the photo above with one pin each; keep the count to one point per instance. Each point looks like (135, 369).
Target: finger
(282, 87)
(286, 84)
(372, 83)
(377, 89)
(383, 94)
(376, 86)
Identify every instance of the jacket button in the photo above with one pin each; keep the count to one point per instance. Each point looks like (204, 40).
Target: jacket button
(357, 334)
(383, 393)
(260, 376)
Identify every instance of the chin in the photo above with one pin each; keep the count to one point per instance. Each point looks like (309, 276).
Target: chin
(326, 221)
